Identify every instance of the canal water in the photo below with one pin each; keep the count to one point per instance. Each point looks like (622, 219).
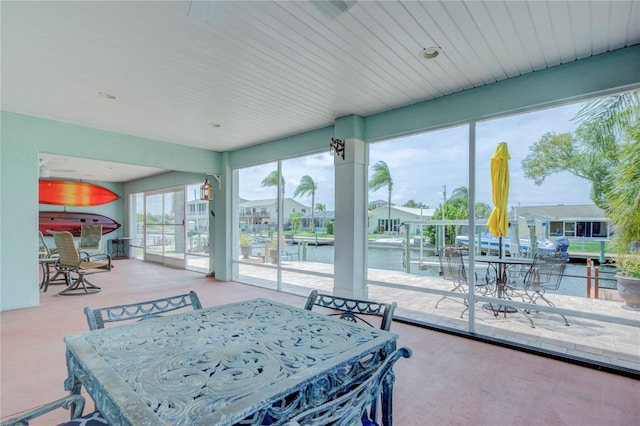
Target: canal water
(392, 259)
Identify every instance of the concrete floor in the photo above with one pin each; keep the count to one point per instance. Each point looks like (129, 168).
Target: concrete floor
(448, 381)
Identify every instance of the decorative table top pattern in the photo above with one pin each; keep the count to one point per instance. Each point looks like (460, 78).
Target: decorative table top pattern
(254, 362)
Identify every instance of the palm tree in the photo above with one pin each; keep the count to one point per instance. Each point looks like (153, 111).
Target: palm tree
(272, 180)
(604, 124)
(307, 185)
(382, 177)
(611, 115)
(623, 199)
(321, 208)
(461, 193)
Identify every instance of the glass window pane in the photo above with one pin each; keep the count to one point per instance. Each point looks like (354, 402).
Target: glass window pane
(256, 227)
(197, 222)
(306, 243)
(415, 174)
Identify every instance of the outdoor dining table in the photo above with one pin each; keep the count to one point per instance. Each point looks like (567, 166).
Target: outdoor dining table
(501, 265)
(254, 362)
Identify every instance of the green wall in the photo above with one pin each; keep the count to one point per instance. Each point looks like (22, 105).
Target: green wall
(22, 138)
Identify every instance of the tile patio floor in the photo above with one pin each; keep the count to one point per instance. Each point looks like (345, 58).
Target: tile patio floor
(585, 338)
(448, 381)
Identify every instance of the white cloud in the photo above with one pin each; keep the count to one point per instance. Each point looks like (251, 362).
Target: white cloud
(422, 164)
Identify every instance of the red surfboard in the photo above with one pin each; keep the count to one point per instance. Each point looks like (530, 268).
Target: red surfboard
(73, 221)
(72, 193)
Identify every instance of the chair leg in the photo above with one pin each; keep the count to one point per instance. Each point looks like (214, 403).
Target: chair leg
(456, 287)
(527, 317)
(387, 398)
(57, 274)
(81, 286)
(44, 284)
(540, 295)
(465, 310)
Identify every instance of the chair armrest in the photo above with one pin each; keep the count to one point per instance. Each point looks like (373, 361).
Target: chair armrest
(67, 402)
(100, 256)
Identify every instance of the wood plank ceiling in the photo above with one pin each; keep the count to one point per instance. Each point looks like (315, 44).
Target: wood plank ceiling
(261, 70)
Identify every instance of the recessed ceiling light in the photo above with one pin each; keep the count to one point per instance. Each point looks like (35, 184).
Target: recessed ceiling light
(214, 125)
(106, 95)
(430, 52)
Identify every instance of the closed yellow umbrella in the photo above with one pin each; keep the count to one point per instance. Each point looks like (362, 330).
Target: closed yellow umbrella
(499, 219)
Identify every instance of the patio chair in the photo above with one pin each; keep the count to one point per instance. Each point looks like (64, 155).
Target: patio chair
(97, 318)
(452, 268)
(354, 310)
(359, 404)
(545, 275)
(47, 258)
(91, 239)
(45, 251)
(73, 403)
(75, 266)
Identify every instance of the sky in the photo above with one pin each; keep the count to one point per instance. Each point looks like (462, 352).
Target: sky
(421, 165)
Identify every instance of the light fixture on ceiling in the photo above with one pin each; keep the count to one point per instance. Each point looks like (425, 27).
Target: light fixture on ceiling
(206, 189)
(106, 95)
(214, 125)
(431, 52)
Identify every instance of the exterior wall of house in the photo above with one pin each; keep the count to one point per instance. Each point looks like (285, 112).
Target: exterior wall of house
(264, 212)
(398, 217)
(583, 222)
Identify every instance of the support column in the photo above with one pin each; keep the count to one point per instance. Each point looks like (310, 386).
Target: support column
(350, 263)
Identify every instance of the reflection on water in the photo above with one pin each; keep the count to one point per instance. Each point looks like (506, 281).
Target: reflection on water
(392, 259)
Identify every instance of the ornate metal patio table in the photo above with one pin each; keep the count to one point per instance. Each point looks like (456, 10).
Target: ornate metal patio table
(249, 363)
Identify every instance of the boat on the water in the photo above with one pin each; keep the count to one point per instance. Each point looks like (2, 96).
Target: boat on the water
(491, 244)
(387, 242)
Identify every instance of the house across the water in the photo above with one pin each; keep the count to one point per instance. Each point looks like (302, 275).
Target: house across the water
(584, 221)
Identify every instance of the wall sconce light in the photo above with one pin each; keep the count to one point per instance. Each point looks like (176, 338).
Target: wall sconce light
(206, 189)
(337, 146)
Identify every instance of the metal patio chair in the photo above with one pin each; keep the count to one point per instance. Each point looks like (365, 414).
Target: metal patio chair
(545, 275)
(73, 403)
(452, 268)
(357, 406)
(97, 318)
(354, 310)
